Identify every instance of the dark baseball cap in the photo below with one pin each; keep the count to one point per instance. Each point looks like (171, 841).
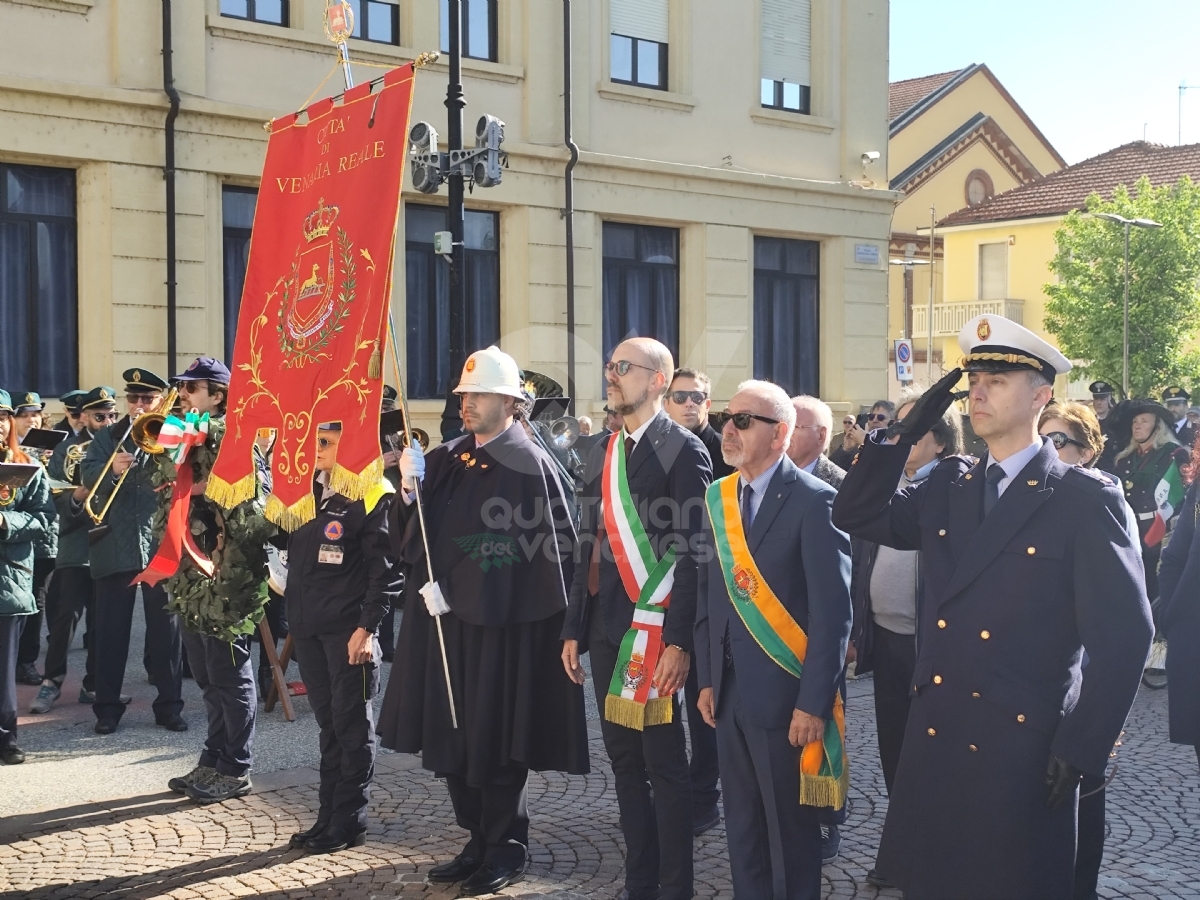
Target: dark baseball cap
(205, 368)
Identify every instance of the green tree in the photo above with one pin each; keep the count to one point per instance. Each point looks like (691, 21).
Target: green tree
(1085, 308)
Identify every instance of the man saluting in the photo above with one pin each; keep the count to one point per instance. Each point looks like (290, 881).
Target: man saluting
(500, 539)
(1026, 562)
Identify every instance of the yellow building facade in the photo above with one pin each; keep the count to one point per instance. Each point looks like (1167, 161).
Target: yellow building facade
(756, 195)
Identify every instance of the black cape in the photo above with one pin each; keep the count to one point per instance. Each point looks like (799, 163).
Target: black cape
(496, 520)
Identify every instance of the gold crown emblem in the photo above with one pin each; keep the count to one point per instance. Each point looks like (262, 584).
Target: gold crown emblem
(984, 331)
(320, 220)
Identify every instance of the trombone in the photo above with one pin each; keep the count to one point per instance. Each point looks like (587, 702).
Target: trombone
(144, 431)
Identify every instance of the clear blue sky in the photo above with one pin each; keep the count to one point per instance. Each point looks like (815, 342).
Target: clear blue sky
(1091, 74)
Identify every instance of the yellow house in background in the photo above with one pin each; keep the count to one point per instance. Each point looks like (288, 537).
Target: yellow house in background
(955, 140)
(997, 254)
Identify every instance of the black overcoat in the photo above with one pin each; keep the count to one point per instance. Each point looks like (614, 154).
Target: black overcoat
(1179, 581)
(1010, 601)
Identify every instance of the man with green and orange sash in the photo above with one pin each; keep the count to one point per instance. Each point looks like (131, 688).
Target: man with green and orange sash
(772, 623)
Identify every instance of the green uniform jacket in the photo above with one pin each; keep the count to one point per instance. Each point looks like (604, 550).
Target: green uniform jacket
(28, 514)
(129, 545)
(46, 544)
(73, 522)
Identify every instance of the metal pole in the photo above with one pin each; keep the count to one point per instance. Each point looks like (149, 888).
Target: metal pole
(569, 201)
(455, 213)
(1125, 335)
(929, 346)
(169, 175)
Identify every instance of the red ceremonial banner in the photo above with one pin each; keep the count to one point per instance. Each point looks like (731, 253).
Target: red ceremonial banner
(311, 331)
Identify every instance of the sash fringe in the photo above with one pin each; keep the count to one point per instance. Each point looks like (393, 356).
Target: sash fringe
(353, 486)
(631, 714)
(229, 495)
(825, 790)
(289, 518)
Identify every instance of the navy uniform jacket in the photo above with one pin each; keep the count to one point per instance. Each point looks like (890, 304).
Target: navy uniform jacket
(667, 473)
(1010, 601)
(806, 562)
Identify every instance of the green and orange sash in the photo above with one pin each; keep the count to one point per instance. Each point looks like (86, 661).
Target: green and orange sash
(632, 699)
(824, 772)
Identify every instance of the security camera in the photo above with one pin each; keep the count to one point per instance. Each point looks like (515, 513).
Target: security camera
(869, 157)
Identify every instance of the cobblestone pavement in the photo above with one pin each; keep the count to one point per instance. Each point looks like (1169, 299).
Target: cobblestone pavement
(155, 845)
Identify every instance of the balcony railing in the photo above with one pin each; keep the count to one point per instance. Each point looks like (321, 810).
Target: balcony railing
(949, 318)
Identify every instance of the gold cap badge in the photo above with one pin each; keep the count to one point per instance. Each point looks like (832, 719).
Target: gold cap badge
(471, 364)
(984, 331)
(137, 376)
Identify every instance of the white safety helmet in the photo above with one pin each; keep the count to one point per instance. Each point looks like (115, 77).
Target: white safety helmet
(491, 371)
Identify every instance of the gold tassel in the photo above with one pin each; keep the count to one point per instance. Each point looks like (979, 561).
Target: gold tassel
(375, 365)
(229, 495)
(289, 518)
(631, 714)
(355, 486)
(825, 790)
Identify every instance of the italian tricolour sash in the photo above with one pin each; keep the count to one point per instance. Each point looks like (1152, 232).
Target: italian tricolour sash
(824, 772)
(632, 699)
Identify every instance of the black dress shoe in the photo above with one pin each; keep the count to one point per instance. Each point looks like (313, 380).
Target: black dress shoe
(298, 839)
(460, 868)
(173, 722)
(12, 755)
(106, 726)
(705, 822)
(876, 880)
(335, 838)
(489, 879)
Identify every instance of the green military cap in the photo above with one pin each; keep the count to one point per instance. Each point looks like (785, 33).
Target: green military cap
(5, 401)
(102, 397)
(73, 400)
(142, 381)
(28, 401)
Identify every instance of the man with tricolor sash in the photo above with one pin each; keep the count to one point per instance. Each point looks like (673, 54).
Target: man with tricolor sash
(772, 624)
(633, 606)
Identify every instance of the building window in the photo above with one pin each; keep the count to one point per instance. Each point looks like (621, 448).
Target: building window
(237, 216)
(787, 292)
(787, 55)
(478, 18)
(427, 279)
(377, 21)
(38, 283)
(993, 271)
(979, 187)
(638, 42)
(270, 12)
(641, 285)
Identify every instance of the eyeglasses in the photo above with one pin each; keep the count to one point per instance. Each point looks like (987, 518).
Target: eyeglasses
(622, 366)
(105, 416)
(1060, 440)
(878, 417)
(5, 415)
(741, 421)
(141, 399)
(192, 387)
(682, 397)
(326, 443)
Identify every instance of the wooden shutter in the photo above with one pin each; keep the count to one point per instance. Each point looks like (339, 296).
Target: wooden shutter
(787, 41)
(645, 19)
(993, 271)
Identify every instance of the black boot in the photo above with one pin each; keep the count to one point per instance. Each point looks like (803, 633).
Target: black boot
(298, 839)
(335, 838)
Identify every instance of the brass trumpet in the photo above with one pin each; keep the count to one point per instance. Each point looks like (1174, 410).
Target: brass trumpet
(144, 431)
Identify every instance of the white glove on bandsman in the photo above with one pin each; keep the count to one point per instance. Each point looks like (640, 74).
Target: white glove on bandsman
(434, 601)
(412, 467)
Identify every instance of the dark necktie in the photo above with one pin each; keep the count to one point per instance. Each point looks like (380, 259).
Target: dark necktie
(747, 508)
(629, 445)
(991, 490)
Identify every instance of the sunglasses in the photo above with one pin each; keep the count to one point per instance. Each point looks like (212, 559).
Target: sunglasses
(622, 366)
(741, 421)
(682, 397)
(192, 387)
(1060, 440)
(326, 443)
(877, 417)
(105, 416)
(141, 399)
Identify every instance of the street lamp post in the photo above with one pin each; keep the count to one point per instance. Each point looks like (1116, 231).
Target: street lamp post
(1140, 223)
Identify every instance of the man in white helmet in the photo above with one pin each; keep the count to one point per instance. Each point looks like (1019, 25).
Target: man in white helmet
(501, 542)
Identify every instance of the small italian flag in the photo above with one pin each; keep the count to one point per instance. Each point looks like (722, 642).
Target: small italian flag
(1168, 495)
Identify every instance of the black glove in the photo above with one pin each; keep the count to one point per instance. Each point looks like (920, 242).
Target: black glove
(925, 413)
(1062, 779)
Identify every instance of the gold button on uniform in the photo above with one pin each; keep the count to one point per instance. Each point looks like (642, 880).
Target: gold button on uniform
(985, 635)
(972, 748)
(968, 477)
(1031, 551)
(937, 679)
(941, 623)
(942, 533)
(1021, 717)
(933, 732)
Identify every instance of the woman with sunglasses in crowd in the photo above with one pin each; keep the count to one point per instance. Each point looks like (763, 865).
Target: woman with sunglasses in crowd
(1075, 432)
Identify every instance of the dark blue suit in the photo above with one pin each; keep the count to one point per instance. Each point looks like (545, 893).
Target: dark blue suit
(774, 842)
(1010, 601)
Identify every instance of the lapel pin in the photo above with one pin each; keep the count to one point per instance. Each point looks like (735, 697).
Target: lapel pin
(1032, 482)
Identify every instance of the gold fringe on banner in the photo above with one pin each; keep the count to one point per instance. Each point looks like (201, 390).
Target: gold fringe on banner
(229, 495)
(825, 790)
(289, 518)
(375, 364)
(619, 711)
(354, 486)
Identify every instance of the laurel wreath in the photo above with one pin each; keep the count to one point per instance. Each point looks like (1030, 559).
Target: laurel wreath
(233, 601)
(311, 350)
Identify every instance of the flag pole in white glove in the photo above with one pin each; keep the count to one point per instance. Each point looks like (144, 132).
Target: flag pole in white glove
(412, 466)
(434, 601)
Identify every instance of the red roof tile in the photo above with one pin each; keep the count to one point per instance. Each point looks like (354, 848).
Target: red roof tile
(904, 95)
(1067, 189)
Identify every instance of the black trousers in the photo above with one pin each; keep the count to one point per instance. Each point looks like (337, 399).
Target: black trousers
(894, 657)
(340, 696)
(114, 619)
(654, 788)
(703, 768)
(1089, 847)
(10, 640)
(774, 842)
(31, 635)
(69, 597)
(495, 815)
(224, 673)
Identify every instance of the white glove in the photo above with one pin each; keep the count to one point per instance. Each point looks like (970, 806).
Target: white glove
(412, 467)
(434, 601)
